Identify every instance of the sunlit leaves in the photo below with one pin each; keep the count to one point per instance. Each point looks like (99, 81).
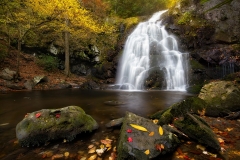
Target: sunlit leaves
(160, 130)
(147, 152)
(141, 128)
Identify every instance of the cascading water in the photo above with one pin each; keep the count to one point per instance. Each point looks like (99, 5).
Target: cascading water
(149, 48)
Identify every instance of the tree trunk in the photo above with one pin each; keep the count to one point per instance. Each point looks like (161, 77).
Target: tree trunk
(18, 52)
(66, 46)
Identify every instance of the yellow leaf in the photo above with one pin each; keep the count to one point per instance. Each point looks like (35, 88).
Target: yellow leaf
(162, 146)
(160, 130)
(155, 121)
(147, 152)
(151, 133)
(139, 127)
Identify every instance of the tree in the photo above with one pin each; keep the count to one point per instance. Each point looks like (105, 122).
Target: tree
(70, 17)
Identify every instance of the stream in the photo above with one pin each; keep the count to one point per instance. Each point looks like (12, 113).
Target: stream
(15, 105)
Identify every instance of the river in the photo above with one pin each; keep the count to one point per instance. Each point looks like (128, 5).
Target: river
(15, 105)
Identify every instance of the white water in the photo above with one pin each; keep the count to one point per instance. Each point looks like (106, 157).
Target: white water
(150, 46)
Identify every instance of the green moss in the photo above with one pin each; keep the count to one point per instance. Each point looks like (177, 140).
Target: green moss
(195, 89)
(49, 63)
(185, 18)
(196, 65)
(203, 1)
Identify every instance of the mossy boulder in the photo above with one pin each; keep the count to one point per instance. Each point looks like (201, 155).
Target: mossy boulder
(221, 94)
(50, 124)
(190, 105)
(196, 128)
(135, 144)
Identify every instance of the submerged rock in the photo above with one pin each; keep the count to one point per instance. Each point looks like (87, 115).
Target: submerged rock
(115, 123)
(49, 124)
(143, 144)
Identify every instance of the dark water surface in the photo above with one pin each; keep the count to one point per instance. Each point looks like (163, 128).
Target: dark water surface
(14, 106)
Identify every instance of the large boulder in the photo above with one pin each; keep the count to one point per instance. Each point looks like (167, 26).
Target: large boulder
(48, 124)
(8, 74)
(221, 94)
(197, 129)
(145, 140)
(193, 105)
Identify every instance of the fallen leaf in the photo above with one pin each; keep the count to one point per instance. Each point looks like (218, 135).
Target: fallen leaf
(160, 130)
(90, 146)
(229, 129)
(220, 140)
(139, 127)
(159, 147)
(37, 115)
(66, 154)
(151, 134)
(129, 139)
(106, 141)
(93, 157)
(155, 121)
(57, 115)
(92, 150)
(56, 156)
(147, 152)
(102, 146)
(129, 131)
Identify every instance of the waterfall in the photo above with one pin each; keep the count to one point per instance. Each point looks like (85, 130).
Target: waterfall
(149, 48)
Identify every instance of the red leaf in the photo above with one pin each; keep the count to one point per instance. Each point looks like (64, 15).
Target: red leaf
(57, 115)
(130, 139)
(37, 115)
(129, 131)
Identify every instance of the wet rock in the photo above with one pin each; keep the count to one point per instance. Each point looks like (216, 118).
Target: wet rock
(114, 103)
(39, 79)
(224, 94)
(49, 124)
(29, 84)
(197, 129)
(62, 86)
(115, 123)
(8, 74)
(143, 145)
(14, 86)
(90, 84)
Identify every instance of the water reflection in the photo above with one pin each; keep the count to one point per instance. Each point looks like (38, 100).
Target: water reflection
(14, 107)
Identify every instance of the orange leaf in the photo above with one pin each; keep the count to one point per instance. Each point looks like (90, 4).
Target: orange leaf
(151, 133)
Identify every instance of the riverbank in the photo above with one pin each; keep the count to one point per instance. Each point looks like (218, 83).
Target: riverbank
(28, 69)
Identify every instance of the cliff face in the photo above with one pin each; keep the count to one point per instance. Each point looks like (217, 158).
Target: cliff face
(210, 33)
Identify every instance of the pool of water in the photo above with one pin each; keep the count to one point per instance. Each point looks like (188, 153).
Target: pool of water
(14, 106)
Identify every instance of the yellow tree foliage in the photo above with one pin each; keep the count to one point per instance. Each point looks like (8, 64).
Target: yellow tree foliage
(61, 10)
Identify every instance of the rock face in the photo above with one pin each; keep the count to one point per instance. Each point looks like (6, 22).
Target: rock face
(223, 94)
(210, 33)
(48, 124)
(142, 145)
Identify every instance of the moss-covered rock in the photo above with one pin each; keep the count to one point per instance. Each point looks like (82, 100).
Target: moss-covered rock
(221, 94)
(191, 105)
(197, 129)
(49, 124)
(134, 144)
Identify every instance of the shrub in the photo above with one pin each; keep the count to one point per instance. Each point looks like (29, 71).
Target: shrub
(49, 63)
